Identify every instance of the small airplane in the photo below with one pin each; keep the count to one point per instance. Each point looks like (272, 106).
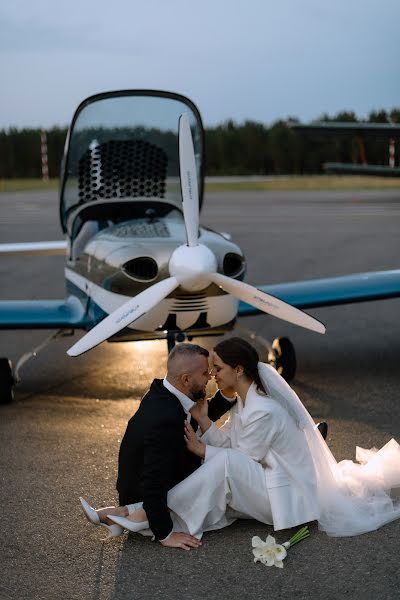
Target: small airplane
(138, 264)
(360, 131)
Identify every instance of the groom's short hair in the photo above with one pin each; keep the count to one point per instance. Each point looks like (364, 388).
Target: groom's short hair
(180, 357)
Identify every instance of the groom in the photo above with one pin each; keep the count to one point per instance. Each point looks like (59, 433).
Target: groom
(153, 456)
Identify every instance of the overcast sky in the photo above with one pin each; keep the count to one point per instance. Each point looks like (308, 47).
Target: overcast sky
(241, 59)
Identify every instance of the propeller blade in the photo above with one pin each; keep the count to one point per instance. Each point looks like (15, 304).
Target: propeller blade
(188, 175)
(124, 315)
(266, 303)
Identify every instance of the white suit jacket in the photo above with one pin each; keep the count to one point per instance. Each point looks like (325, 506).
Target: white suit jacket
(265, 432)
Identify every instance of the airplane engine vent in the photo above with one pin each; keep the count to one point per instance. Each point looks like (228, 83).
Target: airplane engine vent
(122, 168)
(190, 302)
(141, 269)
(233, 265)
(142, 229)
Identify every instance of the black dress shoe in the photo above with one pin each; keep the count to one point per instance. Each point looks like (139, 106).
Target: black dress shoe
(323, 429)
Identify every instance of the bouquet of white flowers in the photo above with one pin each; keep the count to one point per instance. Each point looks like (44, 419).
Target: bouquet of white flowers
(272, 554)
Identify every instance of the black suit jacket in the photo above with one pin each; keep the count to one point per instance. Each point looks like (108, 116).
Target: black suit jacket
(153, 456)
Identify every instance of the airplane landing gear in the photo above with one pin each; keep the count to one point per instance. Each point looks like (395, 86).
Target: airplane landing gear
(280, 354)
(7, 381)
(173, 337)
(283, 357)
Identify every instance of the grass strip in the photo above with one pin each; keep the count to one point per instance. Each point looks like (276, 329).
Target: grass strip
(284, 183)
(27, 185)
(317, 182)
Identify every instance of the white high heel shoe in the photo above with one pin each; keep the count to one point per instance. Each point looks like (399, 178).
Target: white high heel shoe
(134, 526)
(93, 517)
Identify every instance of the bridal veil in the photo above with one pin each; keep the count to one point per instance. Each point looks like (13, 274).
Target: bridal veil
(353, 498)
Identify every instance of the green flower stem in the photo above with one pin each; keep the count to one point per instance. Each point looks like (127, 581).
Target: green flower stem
(300, 535)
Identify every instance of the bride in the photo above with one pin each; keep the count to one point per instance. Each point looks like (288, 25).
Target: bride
(268, 462)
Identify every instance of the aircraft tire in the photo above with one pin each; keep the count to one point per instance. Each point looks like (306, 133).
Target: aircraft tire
(284, 357)
(6, 381)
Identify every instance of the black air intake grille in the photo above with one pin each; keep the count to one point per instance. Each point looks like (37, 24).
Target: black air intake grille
(121, 169)
(142, 229)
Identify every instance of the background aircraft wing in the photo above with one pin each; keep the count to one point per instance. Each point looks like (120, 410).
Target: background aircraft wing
(361, 131)
(330, 291)
(323, 128)
(43, 314)
(350, 169)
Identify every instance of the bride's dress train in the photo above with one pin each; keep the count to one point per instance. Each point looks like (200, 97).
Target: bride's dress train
(362, 496)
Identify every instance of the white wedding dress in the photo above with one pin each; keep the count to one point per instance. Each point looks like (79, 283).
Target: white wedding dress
(251, 473)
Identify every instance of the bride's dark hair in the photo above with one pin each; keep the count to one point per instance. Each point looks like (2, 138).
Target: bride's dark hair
(234, 352)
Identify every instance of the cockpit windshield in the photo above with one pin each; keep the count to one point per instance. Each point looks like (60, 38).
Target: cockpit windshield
(124, 146)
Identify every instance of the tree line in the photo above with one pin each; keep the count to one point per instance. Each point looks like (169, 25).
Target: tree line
(250, 148)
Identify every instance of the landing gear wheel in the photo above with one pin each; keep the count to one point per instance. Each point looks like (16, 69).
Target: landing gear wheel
(173, 337)
(6, 381)
(283, 357)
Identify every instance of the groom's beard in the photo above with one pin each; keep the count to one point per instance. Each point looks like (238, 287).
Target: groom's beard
(198, 394)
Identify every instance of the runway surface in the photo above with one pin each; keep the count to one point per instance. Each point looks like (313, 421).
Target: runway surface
(60, 437)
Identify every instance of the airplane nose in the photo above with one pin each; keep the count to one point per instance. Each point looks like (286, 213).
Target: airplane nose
(191, 265)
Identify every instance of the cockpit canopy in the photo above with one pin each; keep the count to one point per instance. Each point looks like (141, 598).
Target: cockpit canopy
(122, 147)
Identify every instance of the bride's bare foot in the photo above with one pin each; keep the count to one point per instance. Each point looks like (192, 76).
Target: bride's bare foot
(119, 511)
(138, 515)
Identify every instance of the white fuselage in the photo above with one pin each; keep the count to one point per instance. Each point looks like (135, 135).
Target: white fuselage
(102, 275)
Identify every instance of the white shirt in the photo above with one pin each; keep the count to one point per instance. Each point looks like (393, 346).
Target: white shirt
(185, 401)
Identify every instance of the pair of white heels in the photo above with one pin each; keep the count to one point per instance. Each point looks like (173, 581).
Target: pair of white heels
(119, 523)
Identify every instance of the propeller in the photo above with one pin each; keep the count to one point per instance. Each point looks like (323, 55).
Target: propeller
(266, 303)
(124, 315)
(192, 266)
(188, 175)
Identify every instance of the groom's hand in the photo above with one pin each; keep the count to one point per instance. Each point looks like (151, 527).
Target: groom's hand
(181, 540)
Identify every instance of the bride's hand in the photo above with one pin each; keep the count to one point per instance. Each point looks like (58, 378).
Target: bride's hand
(192, 443)
(199, 410)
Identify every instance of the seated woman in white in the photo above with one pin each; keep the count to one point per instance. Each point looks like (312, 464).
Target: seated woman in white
(268, 462)
(256, 466)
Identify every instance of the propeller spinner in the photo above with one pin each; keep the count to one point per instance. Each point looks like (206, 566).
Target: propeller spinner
(192, 266)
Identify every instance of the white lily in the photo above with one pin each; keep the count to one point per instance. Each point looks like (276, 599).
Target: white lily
(269, 552)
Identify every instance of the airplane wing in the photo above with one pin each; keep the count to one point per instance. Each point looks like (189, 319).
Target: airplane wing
(34, 248)
(313, 293)
(43, 314)
(330, 291)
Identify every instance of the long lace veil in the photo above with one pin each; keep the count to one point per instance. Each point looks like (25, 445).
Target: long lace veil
(353, 498)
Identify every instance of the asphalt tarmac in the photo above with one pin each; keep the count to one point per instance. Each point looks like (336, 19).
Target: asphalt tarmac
(60, 437)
